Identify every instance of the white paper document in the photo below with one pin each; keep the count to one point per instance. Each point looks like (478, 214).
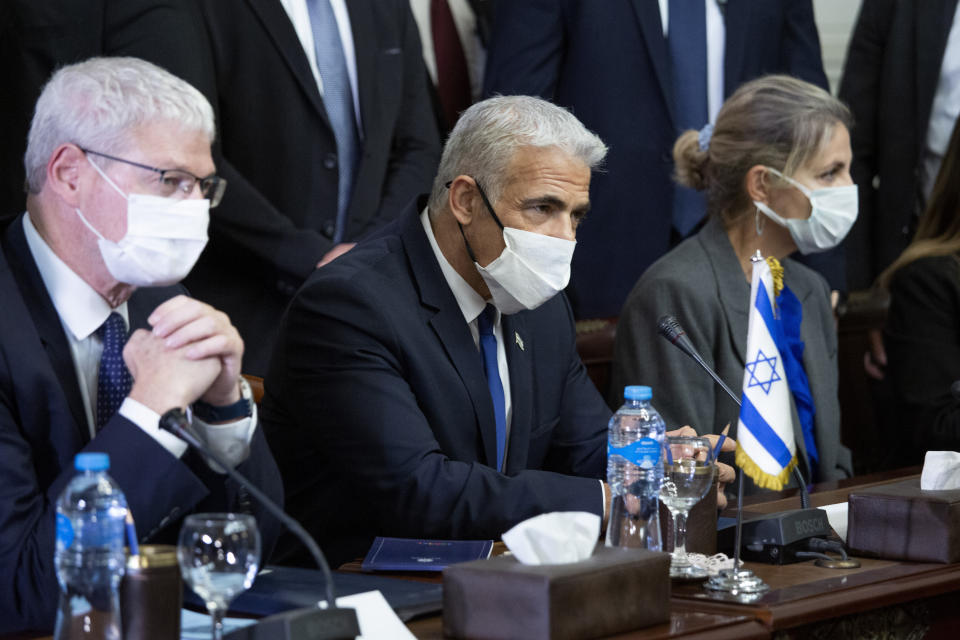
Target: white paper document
(377, 620)
(837, 516)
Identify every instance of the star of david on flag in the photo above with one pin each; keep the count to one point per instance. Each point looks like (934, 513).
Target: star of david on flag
(767, 373)
(765, 446)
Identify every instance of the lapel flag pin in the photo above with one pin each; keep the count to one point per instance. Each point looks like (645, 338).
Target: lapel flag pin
(519, 341)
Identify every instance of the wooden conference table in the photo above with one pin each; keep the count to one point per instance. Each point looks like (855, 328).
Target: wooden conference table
(881, 597)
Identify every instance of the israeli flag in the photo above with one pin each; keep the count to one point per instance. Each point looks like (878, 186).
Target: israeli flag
(765, 445)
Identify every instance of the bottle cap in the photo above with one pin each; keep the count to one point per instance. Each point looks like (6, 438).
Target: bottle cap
(91, 462)
(637, 392)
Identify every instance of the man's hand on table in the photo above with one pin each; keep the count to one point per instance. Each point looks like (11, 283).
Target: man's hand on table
(725, 474)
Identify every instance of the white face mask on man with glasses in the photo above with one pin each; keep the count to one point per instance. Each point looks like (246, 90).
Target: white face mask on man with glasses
(165, 234)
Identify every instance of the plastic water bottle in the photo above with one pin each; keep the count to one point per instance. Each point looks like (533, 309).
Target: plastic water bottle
(634, 471)
(91, 518)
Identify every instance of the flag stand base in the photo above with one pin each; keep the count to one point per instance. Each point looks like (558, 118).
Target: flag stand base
(737, 582)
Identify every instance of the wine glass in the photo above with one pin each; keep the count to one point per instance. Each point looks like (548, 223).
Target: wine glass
(688, 470)
(219, 554)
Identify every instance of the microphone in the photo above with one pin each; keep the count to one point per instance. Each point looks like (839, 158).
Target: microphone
(309, 623)
(669, 328)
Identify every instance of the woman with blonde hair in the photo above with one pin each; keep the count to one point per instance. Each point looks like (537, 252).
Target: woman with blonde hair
(776, 172)
(923, 324)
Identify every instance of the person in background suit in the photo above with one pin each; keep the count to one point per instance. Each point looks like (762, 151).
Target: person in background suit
(326, 134)
(121, 179)
(638, 73)
(776, 172)
(454, 34)
(38, 37)
(923, 325)
(902, 82)
(427, 384)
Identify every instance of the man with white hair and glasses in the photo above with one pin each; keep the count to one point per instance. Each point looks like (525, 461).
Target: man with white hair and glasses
(96, 338)
(427, 384)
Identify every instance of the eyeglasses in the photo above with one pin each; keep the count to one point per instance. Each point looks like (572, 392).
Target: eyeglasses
(174, 181)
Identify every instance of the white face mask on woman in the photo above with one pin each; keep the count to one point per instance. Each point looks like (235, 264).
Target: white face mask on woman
(531, 269)
(164, 238)
(833, 212)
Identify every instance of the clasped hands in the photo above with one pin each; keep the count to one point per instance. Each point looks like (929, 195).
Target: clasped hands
(192, 352)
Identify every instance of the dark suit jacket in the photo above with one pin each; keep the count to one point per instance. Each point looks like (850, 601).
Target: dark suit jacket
(923, 355)
(611, 67)
(379, 413)
(889, 81)
(702, 285)
(42, 427)
(280, 157)
(38, 37)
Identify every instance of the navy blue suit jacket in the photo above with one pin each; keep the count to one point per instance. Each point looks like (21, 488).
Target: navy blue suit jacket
(609, 63)
(42, 427)
(378, 410)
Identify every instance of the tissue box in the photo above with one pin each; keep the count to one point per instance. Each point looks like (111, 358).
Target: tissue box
(613, 591)
(902, 522)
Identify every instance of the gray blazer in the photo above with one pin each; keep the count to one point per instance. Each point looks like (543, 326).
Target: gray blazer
(701, 284)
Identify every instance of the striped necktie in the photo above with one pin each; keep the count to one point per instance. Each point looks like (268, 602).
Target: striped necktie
(338, 102)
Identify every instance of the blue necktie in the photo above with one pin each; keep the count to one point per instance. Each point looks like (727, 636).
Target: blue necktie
(687, 41)
(113, 378)
(338, 101)
(488, 346)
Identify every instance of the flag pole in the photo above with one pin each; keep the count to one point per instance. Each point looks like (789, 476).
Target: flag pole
(741, 585)
(736, 551)
(757, 257)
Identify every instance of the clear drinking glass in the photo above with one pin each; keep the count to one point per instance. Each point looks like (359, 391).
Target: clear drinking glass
(219, 554)
(688, 470)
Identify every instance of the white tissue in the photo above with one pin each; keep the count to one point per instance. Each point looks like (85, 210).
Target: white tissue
(837, 516)
(554, 538)
(941, 470)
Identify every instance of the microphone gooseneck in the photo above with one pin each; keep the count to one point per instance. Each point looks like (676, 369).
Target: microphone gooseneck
(670, 329)
(175, 421)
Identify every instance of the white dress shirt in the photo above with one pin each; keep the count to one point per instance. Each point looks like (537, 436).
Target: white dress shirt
(82, 311)
(946, 107)
(716, 44)
(466, 22)
(471, 306)
(300, 17)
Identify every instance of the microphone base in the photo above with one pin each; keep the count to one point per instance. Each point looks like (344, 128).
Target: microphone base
(309, 623)
(774, 538)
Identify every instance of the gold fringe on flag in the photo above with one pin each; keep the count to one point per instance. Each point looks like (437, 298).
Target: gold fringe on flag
(776, 270)
(760, 477)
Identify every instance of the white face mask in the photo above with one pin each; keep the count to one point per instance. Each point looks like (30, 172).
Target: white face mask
(833, 212)
(531, 269)
(164, 238)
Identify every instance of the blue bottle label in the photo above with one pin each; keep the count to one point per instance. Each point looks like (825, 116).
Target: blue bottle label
(645, 452)
(64, 531)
